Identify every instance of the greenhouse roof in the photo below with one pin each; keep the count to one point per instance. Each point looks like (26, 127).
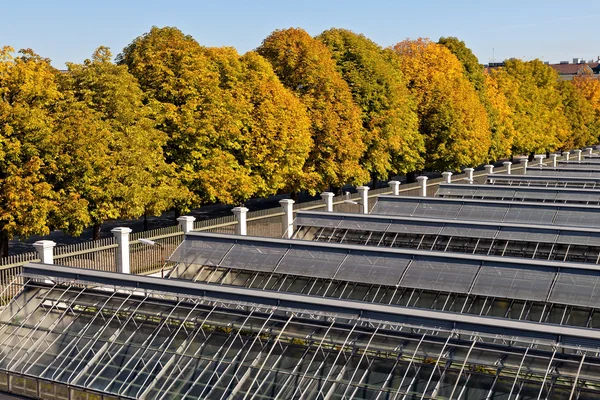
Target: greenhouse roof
(490, 210)
(520, 193)
(575, 244)
(108, 334)
(546, 181)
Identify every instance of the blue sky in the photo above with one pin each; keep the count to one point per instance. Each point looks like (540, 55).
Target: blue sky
(70, 30)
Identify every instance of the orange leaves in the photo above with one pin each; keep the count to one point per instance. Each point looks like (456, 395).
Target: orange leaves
(452, 118)
(305, 66)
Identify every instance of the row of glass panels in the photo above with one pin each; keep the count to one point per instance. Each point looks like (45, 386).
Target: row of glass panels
(549, 195)
(139, 346)
(490, 278)
(536, 250)
(543, 181)
(543, 234)
(563, 171)
(481, 210)
(485, 306)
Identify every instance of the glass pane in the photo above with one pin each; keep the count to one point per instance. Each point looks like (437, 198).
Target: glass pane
(369, 267)
(527, 283)
(444, 274)
(311, 262)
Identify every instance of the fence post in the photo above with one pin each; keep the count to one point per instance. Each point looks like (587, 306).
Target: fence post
(590, 150)
(489, 169)
(447, 176)
(122, 254)
(45, 250)
(578, 152)
(395, 185)
(288, 218)
(469, 172)
(240, 215)
(363, 191)
(553, 157)
(186, 223)
(508, 166)
(540, 158)
(423, 181)
(328, 198)
(566, 155)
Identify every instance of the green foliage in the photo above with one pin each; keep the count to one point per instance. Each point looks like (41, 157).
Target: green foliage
(579, 112)
(117, 165)
(531, 92)
(178, 124)
(451, 116)
(389, 118)
(27, 92)
(473, 70)
(305, 65)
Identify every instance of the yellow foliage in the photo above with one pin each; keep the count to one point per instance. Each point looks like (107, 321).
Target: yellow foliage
(452, 118)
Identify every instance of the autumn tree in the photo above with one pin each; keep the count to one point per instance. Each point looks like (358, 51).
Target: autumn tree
(499, 115)
(452, 118)
(27, 92)
(176, 74)
(113, 157)
(305, 65)
(271, 141)
(589, 87)
(538, 116)
(580, 114)
(389, 118)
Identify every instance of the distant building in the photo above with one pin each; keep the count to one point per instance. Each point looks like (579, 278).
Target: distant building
(567, 70)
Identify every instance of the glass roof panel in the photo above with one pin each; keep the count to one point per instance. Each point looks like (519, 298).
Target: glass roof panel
(577, 288)
(256, 257)
(495, 192)
(581, 238)
(437, 210)
(363, 224)
(527, 234)
(515, 283)
(469, 231)
(368, 267)
(309, 261)
(208, 251)
(321, 221)
(384, 206)
(482, 212)
(530, 215)
(443, 274)
(417, 227)
(567, 217)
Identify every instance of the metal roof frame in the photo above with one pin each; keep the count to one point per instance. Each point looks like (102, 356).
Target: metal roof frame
(466, 324)
(398, 218)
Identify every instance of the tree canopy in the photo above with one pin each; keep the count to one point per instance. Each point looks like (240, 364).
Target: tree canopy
(175, 124)
(451, 116)
(306, 66)
(389, 118)
(531, 91)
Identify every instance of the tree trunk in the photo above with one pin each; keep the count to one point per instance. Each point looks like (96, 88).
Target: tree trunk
(530, 158)
(146, 222)
(374, 181)
(177, 213)
(96, 234)
(411, 177)
(3, 244)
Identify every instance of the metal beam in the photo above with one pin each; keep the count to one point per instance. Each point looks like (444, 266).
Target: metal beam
(443, 320)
